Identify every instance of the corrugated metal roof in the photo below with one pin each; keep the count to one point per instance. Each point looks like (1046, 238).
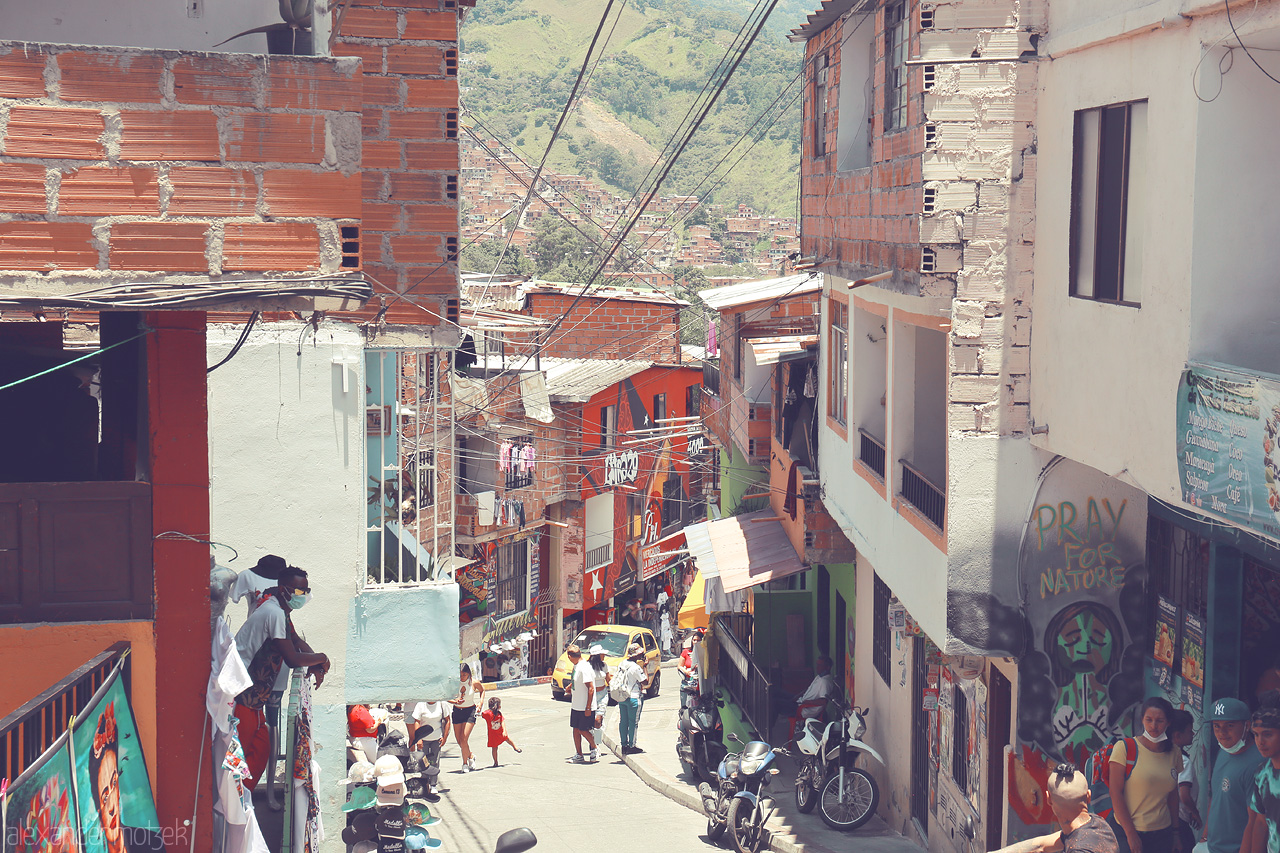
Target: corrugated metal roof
(772, 350)
(744, 550)
(826, 15)
(577, 380)
(498, 296)
(636, 294)
(733, 295)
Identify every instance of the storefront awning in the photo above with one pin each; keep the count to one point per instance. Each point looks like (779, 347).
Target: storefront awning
(780, 348)
(743, 551)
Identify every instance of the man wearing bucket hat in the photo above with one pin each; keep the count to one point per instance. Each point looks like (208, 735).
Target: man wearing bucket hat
(632, 678)
(1232, 776)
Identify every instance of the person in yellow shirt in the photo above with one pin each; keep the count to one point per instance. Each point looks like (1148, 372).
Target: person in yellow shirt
(1145, 805)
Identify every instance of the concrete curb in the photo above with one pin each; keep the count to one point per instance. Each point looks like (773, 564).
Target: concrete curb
(687, 796)
(518, 682)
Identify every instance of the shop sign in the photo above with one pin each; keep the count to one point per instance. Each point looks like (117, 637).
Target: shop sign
(658, 557)
(697, 445)
(621, 467)
(1166, 642)
(1193, 661)
(1228, 460)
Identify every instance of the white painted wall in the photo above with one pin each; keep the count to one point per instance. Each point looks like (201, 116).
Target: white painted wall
(1235, 269)
(286, 472)
(1104, 377)
(869, 353)
(161, 24)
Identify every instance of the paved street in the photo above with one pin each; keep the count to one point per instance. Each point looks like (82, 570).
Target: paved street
(601, 808)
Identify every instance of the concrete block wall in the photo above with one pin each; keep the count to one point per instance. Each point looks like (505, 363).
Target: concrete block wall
(123, 163)
(978, 199)
(409, 53)
(865, 219)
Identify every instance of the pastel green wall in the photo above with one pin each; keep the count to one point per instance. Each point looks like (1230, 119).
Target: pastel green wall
(402, 644)
(844, 581)
(738, 478)
(771, 611)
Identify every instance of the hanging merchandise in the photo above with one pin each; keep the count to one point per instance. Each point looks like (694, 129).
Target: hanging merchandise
(811, 382)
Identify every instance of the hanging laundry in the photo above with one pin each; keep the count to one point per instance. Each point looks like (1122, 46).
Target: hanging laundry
(711, 339)
(811, 382)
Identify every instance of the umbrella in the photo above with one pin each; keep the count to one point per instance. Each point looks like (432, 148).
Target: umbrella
(693, 613)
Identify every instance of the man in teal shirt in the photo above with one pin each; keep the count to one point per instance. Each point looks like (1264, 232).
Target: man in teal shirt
(1231, 781)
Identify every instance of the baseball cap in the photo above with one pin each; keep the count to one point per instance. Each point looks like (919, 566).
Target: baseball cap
(1228, 708)
(361, 798)
(417, 838)
(388, 770)
(363, 827)
(365, 847)
(393, 744)
(391, 822)
(596, 649)
(417, 813)
(359, 771)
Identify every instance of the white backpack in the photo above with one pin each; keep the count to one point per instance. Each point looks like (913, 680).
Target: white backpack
(620, 686)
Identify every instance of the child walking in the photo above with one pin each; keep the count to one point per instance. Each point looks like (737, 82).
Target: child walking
(497, 728)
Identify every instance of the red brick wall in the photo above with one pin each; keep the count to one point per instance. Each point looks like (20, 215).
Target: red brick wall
(863, 219)
(127, 160)
(409, 51)
(609, 328)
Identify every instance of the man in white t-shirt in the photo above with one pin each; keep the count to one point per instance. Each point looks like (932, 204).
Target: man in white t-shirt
(581, 700)
(432, 725)
(267, 642)
(822, 688)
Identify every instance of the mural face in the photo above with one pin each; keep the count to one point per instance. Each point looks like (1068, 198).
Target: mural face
(1083, 574)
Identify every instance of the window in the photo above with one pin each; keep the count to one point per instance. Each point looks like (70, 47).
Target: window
(737, 347)
(838, 369)
(880, 642)
(608, 426)
(895, 66)
(520, 464)
(692, 400)
(512, 588)
(420, 475)
(821, 68)
(672, 500)
(960, 740)
(460, 466)
(1108, 194)
(659, 407)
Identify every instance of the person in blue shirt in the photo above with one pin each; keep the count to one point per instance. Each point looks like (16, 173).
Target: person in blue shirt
(1231, 780)
(1262, 835)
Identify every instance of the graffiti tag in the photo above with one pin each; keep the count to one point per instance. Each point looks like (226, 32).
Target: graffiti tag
(621, 467)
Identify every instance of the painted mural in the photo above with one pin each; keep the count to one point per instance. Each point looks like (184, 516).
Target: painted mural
(1082, 569)
(477, 584)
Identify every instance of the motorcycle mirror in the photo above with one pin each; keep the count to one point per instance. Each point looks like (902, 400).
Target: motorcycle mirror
(733, 737)
(516, 841)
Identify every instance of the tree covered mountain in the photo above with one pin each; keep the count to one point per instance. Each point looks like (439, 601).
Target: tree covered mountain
(520, 59)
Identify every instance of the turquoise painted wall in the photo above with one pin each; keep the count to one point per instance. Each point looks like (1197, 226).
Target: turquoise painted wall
(402, 644)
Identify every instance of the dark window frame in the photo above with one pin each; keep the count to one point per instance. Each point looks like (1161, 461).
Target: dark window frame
(838, 368)
(821, 94)
(880, 632)
(511, 573)
(1111, 205)
(609, 426)
(960, 739)
(897, 39)
(659, 407)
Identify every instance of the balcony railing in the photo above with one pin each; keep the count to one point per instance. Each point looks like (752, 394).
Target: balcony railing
(923, 495)
(33, 727)
(600, 556)
(711, 377)
(746, 682)
(871, 452)
(519, 479)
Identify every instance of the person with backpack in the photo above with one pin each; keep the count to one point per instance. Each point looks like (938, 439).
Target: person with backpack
(1144, 785)
(628, 685)
(1081, 831)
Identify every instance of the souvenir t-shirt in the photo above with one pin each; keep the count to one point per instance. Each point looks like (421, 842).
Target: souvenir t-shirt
(1266, 802)
(252, 586)
(583, 675)
(1095, 836)
(1146, 791)
(1230, 787)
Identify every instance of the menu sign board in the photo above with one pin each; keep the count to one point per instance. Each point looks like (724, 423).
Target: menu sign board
(1228, 461)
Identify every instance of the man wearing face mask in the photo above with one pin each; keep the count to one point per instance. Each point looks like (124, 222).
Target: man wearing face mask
(267, 641)
(1233, 771)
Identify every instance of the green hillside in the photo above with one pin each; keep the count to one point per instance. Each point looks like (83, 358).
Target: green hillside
(520, 59)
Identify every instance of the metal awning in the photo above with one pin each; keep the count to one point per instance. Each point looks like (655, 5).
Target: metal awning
(780, 347)
(743, 551)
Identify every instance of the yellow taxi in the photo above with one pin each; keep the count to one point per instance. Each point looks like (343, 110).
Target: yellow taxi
(615, 639)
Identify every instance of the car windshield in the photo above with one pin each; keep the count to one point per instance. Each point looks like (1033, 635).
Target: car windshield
(615, 645)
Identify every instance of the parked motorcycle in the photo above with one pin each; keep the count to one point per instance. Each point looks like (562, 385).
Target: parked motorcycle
(699, 741)
(516, 841)
(740, 803)
(828, 775)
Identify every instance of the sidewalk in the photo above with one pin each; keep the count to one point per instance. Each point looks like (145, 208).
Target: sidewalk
(788, 830)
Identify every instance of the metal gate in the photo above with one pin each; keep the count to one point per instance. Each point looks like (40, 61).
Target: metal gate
(920, 721)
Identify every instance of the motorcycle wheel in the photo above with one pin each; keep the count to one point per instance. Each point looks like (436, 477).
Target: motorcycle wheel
(702, 763)
(806, 788)
(856, 806)
(715, 829)
(745, 834)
